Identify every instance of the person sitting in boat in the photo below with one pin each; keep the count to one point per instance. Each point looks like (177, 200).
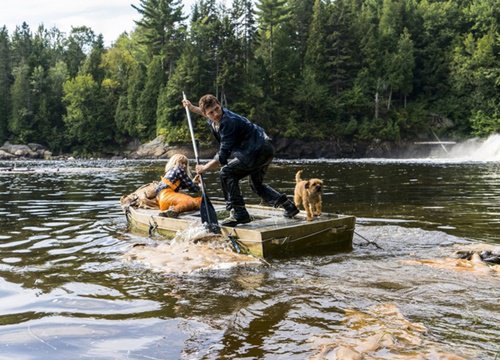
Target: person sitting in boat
(177, 176)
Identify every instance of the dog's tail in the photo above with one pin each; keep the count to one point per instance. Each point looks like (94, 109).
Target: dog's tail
(298, 176)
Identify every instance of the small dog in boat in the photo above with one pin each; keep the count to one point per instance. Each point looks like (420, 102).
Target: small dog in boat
(308, 193)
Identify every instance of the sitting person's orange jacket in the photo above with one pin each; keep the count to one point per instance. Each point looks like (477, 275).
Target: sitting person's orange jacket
(176, 178)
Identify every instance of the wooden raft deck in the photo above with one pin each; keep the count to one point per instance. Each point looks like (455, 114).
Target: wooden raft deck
(269, 235)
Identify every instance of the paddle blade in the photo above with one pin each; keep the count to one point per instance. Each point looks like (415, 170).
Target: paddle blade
(208, 215)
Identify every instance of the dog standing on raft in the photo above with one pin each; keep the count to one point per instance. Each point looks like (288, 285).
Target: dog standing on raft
(308, 193)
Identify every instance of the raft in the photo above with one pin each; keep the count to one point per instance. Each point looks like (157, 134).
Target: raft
(270, 234)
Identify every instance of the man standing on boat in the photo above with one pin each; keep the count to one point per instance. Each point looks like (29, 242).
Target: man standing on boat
(253, 152)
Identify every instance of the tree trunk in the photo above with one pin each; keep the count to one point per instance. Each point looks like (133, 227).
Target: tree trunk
(376, 105)
(389, 100)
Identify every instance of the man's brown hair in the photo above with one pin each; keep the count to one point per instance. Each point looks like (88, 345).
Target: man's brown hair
(207, 101)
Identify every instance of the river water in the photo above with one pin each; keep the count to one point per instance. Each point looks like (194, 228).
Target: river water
(66, 291)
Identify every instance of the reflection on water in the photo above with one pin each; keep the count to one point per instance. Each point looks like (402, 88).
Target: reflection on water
(65, 288)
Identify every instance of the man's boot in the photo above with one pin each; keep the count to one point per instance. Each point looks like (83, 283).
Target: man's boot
(237, 215)
(290, 208)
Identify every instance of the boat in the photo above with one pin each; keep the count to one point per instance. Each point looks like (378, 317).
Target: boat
(270, 234)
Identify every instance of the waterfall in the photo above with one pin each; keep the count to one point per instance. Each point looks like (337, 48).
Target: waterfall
(472, 149)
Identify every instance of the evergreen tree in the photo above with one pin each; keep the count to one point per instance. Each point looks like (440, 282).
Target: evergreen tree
(55, 136)
(340, 47)
(92, 64)
(121, 117)
(40, 126)
(312, 93)
(163, 29)
(271, 15)
(79, 43)
(353, 69)
(21, 45)
(22, 104)
(135, 88)
(245, 28)
(146, 115)
(401, 67)
(5, 82)
(170, 113)
(476, 75)
(87, 123)
(300, 22)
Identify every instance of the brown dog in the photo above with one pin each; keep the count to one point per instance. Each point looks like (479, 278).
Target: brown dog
(308, 193)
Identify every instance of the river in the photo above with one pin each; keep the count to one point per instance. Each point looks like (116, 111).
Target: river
(66, 291)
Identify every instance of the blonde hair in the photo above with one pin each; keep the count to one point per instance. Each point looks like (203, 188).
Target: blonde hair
(178, 160)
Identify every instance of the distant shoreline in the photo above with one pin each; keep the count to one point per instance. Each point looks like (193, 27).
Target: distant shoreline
(286, 149)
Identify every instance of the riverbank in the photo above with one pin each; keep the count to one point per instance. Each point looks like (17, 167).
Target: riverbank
(285, 149)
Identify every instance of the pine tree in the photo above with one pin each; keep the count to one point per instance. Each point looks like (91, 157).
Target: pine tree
(87, 119)
(313, 91)
(57, 76)
(146, 116)
(5, 82)
(22, 104)
(135, 88)
(79, 43)
(163, 29)
(170, 113)
(245, 27)
(21, 45)
(271, 15)
(92, 64)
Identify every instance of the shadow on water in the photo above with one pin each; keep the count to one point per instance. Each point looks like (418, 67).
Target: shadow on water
(66, 290)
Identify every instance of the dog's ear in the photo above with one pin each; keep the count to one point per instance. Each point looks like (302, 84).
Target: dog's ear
(306, 185)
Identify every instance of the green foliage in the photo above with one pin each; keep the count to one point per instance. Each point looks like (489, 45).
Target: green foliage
(88, 115)
(485, 124)
(308, 69)
(163, 31)
(21, 100)
(145, 124)
(5, 80)
(92, 64)
(126, 122)
(272, 14)
(476, 76)
(78, 44)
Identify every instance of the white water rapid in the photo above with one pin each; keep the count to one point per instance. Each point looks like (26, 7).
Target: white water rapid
(473, 149)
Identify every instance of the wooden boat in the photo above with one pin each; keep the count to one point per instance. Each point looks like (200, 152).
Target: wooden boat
(270, 234)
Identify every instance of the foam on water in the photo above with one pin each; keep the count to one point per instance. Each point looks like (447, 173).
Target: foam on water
(190, 251)
(473, 150)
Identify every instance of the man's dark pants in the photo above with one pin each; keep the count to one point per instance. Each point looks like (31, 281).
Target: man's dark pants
(235, 170)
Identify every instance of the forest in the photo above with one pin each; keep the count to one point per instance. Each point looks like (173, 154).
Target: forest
(339, 70)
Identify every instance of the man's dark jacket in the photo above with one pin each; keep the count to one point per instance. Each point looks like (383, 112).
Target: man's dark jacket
(238, 136)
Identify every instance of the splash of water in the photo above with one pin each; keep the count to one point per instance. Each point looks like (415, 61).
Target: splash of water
(474, 149)
(190, 251)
